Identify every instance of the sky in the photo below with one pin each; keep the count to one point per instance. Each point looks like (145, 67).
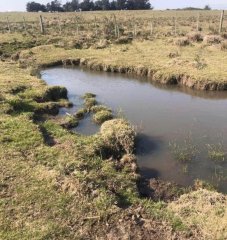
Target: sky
(19, 5)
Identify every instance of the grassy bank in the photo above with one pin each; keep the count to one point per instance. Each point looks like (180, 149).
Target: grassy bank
(57, 184)
(196, 66)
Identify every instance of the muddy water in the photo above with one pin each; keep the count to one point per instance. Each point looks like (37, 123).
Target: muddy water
(173, 123)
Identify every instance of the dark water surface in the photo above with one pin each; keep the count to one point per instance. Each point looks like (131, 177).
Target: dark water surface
(172, 122)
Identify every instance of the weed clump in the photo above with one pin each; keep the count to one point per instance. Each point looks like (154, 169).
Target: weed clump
(216, 152)
(224, 45)
(89, 95)
(69, 122)
(55, 93)
(1, 98)
(185, 152)
(123, 40)
(212, 39)
(182, 41)
(98, 108)
(201, 184)
(6, 108)
(118, 134)
(102, 116)
(103, 43)
(21, 105)
(80, 113)
(90, 102)
(195, 37)
(199, 62)
(173, 54)
(129, 161)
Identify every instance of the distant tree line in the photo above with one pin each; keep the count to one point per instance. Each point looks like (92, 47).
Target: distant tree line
(88, 5)
(207, 7)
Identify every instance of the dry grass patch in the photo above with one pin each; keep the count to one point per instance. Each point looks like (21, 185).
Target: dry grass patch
(205, 209)
(212, 39)
(118, 134)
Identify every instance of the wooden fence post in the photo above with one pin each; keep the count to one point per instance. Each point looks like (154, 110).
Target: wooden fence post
(135, 30)
(96, 31)
(198, 20)
(115, 27)
(152, 28)
(221, 21)
(41, 25)
(8, 25)
(118, 32)
(175, 26)
(77, 28)
(25, 27)
(59, 25)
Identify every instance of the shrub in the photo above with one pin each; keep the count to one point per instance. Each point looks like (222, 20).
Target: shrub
(224, 45)
(102, 116)
(123, 40)
(173, 54)
(69, 122)
(183, 41)
(103, 43)
(118, 134)
(1, 98)
(98, 108)
(55, 93)
(80, 113)
(212, 39)
(199, 63)
(89, 95)
(195, 37)
(201, 184)
(129, 160)
(216, 152)
(90, 102)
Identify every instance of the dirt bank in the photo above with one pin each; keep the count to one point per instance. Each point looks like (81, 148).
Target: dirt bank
(150, 74)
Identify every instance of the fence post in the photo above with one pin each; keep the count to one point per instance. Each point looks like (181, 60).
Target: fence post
(221, 21)
(175, 26)
(59, 25)
(96, 31)
(25, 27)
(8, 25)
(152, 28)
(41, 25)
(118, 32)
(198, 20)
(135, 30)
(115, 26)
(77, 28)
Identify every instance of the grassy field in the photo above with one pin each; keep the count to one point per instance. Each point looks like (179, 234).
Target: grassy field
(163, 21)
(171, 47)
(57, 184)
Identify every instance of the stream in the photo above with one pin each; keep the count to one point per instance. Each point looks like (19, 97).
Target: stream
(182, 133)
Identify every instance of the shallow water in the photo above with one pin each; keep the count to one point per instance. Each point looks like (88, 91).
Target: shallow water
(170, 121)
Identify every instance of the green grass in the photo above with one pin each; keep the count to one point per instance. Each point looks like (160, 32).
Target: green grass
(102, 116)
(184, 152)
(216, 152)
